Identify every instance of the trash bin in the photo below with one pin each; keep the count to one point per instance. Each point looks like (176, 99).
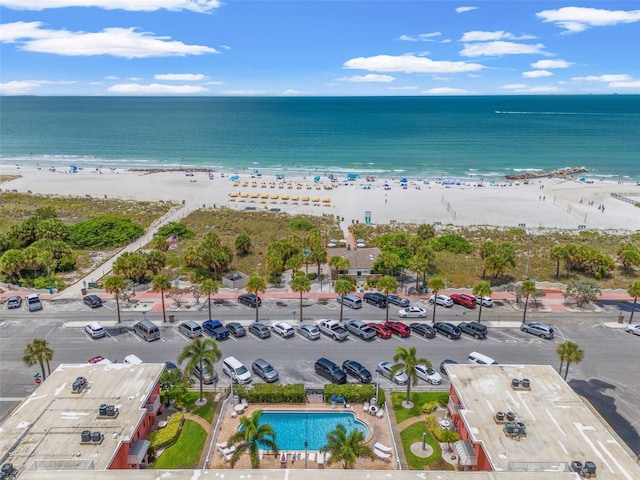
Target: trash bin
(172, 318)
(84, 291)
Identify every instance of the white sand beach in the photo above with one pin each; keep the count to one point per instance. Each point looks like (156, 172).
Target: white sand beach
(540, 203)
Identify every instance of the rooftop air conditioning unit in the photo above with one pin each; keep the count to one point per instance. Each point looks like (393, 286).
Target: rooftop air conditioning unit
(79, 385)
(515, 383)
(7, 470)
(511, 416)
(96, 437)
(86, 436)
(111, 411)
(525, 383)
(103, 409)
(500, 416)
(589, 468)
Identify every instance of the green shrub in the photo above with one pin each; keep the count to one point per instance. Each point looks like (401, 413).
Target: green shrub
(46, 282)
(302, 225)
(167, 435)
(433, 426)
(271, 393)
(104, 231)
(429, 407)
(312, 276)
(352, 393)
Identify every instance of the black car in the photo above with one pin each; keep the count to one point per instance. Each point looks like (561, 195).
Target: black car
(170, 366)
(376, 299)
(443, 368)
(423, 329)
(356, 370)
(250, 300)
(14, 302)
(260, 330)
(92, 301)
(236, 329)
(449, 330)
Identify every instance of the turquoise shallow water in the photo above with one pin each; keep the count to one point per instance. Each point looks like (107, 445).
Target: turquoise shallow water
(391, 136)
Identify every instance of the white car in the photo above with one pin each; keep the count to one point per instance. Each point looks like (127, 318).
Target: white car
(442, 300)
(94, 330)
(283, 329)
(428, 374)
(400, 378)
(484, 301)
(412, 312)
(633, 328)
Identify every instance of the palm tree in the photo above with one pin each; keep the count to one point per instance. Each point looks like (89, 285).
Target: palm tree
(558, 254)
(302, 284)
(342, 287)
(255, 285)
(115, 284)
(340, 264)
(574, 354)
(449, 436)
(346, 447)
(45, 351)
(209, 287)
(203, 353)
(33, 353)
(387, 284)
(482, 289)
(634, 291)
(250, 437)
(436, 285)
(420, 265)
(528, 287)
(162, 283)
(405, 359)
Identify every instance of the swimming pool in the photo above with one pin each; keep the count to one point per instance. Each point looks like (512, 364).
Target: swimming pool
(293, 428)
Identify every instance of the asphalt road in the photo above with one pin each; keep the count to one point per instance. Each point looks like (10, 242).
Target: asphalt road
(608, 377)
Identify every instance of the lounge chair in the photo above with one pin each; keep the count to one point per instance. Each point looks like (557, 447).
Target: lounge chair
(260, 453)
(320, 460)
(383, 448)
(382, 455)
(365, 407)
(227, 451)
(244, 402)
(312, 456)
(221, 445)
(227, 457)
(380, 413)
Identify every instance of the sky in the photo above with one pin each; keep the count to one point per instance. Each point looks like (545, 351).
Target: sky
(318, 47)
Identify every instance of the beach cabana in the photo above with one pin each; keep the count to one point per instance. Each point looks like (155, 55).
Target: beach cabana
(326, 200)
(295, 198)
(274, 196)
(244, 194)
(254, 195)
(315, 199)
(264, 195)
(234, 178)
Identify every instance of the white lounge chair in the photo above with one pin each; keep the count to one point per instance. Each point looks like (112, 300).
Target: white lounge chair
(380, 413)
(312, 456)
(260, 453)
(383, 448)
(221, 445)
(382, 455)
(227, 457)
(365, 407)
(320, 460)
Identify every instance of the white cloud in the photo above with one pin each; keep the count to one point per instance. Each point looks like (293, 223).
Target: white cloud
(465, 9)
(423, 37)
(522, 88)
(184, 77)
(409, 64)
(514, 86)
(112, 77)
(447, 91)
(200, 6)
(482, 36)
(604, 78)
(578, 19)
(548, 64)
(370, 77)
(154, 89)
(118, 42)
(214, 82)
(496, 49)
(22, 87)
(537, 74)
(633, 84)
(291, 92)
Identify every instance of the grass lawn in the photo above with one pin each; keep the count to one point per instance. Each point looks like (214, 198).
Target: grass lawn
(206, 411)
(418, 399)
(413, 434)
(185, 453)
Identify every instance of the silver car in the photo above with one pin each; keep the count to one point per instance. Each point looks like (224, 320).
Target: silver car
(384, 369)
(265, 371)
(537, 328)
(308, 331)
(428, 374)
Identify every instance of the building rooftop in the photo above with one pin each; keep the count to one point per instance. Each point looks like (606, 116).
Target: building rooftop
(560, 428)
(359, 258)
(46, 428)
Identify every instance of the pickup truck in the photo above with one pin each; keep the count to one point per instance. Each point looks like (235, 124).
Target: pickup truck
(333, 329)
(215, 329)
(360, 329)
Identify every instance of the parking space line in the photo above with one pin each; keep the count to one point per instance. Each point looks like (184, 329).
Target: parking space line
(511, 336)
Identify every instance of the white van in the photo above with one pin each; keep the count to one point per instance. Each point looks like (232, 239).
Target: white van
(351, 301)
(236, 370)
(476, 358)
(132, 360)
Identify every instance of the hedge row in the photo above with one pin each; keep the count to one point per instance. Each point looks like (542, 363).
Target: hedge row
(271, 393)
(352, 393)
(434, 427)
(166, 436)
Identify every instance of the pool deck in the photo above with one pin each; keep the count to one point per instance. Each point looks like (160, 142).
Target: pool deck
(378, 432)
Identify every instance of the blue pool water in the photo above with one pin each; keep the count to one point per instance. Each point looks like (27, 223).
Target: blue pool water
(293, 428)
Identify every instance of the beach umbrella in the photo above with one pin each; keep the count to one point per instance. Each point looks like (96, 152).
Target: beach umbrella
(333, 240)
(360, 245)
(235, 177)
(360, 240)
(403, 180)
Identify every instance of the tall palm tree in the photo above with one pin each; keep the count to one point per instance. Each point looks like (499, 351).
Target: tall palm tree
(405, 359)
(203, 353)
(420, 265)
(250, 437)
(45, 350)
(387, 284)
(563, 351)
(436, 284)
(346, 447)
(634, 291)
(574, 354)
(33, 354)
(342, 287)
(302, 284)
(115, 284)
(162, 283)
(209, 287)
(528, 288)
(256, 285)
(342, 264)
(482, 289)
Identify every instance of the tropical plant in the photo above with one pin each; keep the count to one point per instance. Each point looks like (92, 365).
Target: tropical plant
(558, 254)
(436, 285)
(346, 447)
(572, 354)
(162, 283)
(387, 284)
(341, 264)
(201, 353)
(583, 292)
(173, 388)
(243, 244)
(528, 288)
(209, 287)
(405, 359)
(302, 284)
(103, 232)
(420, 265)
(115, 284)
(250, 438)
(482, 289)
(38, 351)
(449, 437)
(487, 249)
(256, 285)
(342, 287)
(634, 291)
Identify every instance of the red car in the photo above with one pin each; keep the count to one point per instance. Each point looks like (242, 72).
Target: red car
(381, 330)
(463, 299)
(399, 328)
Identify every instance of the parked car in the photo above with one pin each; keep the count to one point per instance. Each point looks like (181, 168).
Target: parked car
(357, 371)
(260, 330)
(537, 328)
(632, 328)
(376, 299)
(412, 312)
(283, 329)
(94, 330)
(170, 366)
(92, 301)
(250, 300)
(360, 329)
(309, 331)
(401, 302)
(475, 329)
(265, 371)
(428, 374)
(384, 369)
(207, 376)
(442, 300)
(236, 329)
(485, 301)
(33, 302)
(463, 299)
(423, 330)
(449, 330)
(399, 328)
(443, 365)
(381, 330)
(99, 359)
(330, 371)
(14, 302)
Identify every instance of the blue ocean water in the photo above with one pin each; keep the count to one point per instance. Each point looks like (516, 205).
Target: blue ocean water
(486, 136)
